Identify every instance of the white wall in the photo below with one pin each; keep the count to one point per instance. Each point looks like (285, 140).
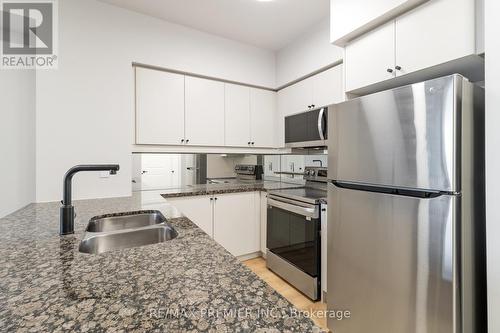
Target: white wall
(492, 27)
(17, 139)
(306, 54)
(85, 108)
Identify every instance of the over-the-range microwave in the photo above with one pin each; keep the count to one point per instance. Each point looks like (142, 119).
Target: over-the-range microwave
(307, 129)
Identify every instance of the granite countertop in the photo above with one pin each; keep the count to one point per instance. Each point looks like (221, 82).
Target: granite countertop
(188, 284)
(208, 189)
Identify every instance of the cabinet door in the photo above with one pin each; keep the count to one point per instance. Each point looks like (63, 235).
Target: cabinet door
(298, 97)
(436, 32)
(198, 209)
(159, 107)
(292, 100)
(204, 112)
(263, 117)
(328, 87)
(237, 121)
(368, 58)
(263, 223)
(236, 224)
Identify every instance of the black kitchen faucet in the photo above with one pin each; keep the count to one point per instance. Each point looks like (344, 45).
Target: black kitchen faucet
(67, 211)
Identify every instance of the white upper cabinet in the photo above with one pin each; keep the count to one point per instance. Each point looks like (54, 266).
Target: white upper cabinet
(159, 107)
(204, 112)
(237, 123)
(352, 18)
(434, 33)
(173, 109)
(370, 59)
(328, 87)
(263, 117)
(298, 97)
(319, 90)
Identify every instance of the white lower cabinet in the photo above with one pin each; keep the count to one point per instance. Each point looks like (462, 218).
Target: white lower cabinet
(233, 220)
(237, 223)
(198, 209)
(263, 223)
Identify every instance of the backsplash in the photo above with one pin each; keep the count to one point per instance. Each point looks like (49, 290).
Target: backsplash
(170, 171)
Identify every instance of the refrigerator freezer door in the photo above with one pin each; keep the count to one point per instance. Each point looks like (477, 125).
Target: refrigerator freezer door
(407, 137)
(391, 262)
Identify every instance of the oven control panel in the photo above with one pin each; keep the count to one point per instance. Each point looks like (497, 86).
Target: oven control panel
(316, 174)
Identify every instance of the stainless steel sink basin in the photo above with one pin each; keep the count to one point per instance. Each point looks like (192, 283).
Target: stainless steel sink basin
(131, 220)
(121, 240)
(125, 230)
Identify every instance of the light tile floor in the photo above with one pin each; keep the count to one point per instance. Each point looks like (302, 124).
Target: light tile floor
(258, 266)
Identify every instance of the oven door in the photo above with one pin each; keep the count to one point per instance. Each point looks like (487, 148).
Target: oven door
(293, 233)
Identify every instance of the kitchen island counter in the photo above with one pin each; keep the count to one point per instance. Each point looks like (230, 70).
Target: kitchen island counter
(186, 284)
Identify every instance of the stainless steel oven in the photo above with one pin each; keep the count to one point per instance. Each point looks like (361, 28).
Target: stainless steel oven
(293, 235)
(307, 130)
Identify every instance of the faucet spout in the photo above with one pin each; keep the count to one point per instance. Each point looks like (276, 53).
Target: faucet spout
(67, 211)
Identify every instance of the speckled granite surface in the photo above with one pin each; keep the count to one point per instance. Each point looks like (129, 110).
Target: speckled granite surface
(209, 189)
(189, 284)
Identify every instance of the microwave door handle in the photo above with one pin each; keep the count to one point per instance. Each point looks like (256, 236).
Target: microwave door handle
(320, 123)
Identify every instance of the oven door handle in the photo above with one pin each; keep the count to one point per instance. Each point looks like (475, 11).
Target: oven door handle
(311, 212)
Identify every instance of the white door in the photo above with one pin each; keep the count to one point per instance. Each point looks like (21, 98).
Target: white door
(156, 171)
(198, 209)
(263, 118)
(236, 224)
(159, 107)
(433, 33)
(368, 58)
(328, 87)
(237, 120)
(204, 112)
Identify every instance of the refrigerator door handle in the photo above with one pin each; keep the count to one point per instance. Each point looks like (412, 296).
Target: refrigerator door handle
(416, 193)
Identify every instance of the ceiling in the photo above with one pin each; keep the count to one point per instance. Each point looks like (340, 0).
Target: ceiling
(266, 24)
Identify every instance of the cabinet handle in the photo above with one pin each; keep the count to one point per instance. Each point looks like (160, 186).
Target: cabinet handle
(390, 70)
(398, 68)
(211, 199)
(253, 143)
(249, 143)
(182, 141)
(187, 141)
(215, 199)
(313, 106)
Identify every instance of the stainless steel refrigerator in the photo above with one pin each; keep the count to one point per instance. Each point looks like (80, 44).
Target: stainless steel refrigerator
(406, 210)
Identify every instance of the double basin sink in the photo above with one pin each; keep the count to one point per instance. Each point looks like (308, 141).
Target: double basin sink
(125, 230)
